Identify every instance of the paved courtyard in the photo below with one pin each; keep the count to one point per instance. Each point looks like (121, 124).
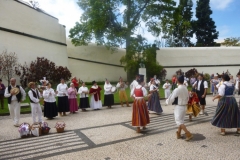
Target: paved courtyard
(107, 134)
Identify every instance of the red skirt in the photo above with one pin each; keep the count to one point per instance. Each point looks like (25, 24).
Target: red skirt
(140, 115)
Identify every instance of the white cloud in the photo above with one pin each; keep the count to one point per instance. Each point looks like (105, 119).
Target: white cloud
(220, 4)
(67, 11)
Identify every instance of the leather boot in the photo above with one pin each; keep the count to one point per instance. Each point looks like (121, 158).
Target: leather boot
(122, 104)
(64, 113)
(188, 136)
(138, 130)
(178, 135)
(128, 104)
(60, 114)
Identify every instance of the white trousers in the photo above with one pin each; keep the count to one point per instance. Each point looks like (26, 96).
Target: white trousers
(167, 93)
(14, 109)
(179, 114)
(36, 111)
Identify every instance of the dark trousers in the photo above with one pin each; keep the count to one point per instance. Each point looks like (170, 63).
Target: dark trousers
(2, 100)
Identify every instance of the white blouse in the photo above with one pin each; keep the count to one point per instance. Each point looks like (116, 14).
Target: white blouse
(107, 89)
(62, 89)
(221, 89)
(152, 87)
(182, 93)
(165, 86)
(143, 89)
(49, 95)
(81, 90)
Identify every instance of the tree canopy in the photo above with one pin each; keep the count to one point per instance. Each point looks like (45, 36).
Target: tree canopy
(232, 41)
(204, 26)
(113, 23)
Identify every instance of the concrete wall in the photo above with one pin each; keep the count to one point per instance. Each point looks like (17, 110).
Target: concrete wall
(94, 62)
(47, 37)
(204, 59)
(17, 16)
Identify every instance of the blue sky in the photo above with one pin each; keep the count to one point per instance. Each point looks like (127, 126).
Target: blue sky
(226, 14)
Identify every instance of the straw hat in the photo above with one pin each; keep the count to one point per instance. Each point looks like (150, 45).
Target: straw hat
(30, 84)
(14, 91)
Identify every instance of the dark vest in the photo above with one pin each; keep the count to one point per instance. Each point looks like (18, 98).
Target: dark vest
(34, 95)
(201, 87)
(19, 95)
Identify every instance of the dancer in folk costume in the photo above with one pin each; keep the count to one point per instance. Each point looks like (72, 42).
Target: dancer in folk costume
(34, 96)
(214, 82)
(121, 86)
(154, 101)
(76, 82)
(72, 98)
(167, 89)
(227, 113)
(84, 101)
(95, 102)
(181, 93)
(15, 94)
(174, 82)
(157, 81)
(193, 107)
(50, 105)
(140, 116)
(62, 94)
(201, 89)
(2, 90)
(108, 95)
(134, 83)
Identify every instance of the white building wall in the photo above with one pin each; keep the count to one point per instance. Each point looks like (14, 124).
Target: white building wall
(19, 17)
(89, 71)
(24, 19)
(210, 60)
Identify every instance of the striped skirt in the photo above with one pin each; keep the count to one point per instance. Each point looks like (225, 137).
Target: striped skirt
(227, 113)
(140, 116)
(154, 103)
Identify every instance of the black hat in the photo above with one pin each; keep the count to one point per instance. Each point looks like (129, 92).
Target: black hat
(93, 82)
(181, 79)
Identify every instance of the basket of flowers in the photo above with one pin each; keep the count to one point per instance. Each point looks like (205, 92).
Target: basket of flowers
(36, 130)
(24, 130)
(45, 128)
(60, 127)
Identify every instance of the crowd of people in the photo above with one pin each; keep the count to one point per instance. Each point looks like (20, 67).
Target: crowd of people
(191, 102)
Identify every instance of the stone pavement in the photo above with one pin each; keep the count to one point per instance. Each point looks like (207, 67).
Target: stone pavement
(107, 134)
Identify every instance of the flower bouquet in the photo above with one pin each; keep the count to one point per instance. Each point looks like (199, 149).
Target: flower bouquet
(60, 127)
(24, 130)
(45, 128)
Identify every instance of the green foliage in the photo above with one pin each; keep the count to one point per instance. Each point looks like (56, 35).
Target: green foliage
(232, 41)
(207, 76)
(204, 26)
(103, 22)
(183, 31)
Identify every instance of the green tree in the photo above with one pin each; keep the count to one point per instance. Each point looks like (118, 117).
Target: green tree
(183, 31)
(232, 41)
(103, 21)
(141, 52)
(204, 26)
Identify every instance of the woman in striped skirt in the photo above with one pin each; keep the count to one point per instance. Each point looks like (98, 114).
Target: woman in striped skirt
(227, 114)
(140, 116)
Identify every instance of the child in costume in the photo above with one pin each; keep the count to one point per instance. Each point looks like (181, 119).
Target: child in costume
(193, 107)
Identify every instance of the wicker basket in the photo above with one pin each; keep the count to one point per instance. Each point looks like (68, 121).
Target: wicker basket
(28, 135)
(60, 130)
(60, 127)
(45, 131)
(39, 128)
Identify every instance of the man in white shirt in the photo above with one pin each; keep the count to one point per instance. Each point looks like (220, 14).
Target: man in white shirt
(201, 89)
(36, 109)
(14, 99)
(134, 83)
(181, 93)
